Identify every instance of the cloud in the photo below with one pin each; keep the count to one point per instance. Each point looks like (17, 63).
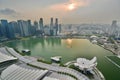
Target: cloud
(61, 9)
(9, 12)
(80, 3)
(65, 6)
(58, 7)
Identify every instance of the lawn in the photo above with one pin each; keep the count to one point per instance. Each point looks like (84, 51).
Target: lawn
(115, 59)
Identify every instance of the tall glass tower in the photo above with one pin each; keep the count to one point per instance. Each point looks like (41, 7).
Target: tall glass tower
(56, 24)
(4, 28)
(51, 24)
(41, 25)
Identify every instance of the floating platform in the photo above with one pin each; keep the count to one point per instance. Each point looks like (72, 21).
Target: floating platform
(26, 51)
(56, 59)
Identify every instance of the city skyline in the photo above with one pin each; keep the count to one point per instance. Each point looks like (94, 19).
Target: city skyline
(22, 28)
(59, 40)
(68, 11)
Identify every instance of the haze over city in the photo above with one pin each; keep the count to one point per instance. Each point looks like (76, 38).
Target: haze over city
(68, 11)
(59, 40)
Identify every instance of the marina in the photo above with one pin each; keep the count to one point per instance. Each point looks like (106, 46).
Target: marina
(70, 50)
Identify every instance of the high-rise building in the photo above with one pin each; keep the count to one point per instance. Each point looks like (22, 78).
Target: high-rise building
(36, 25)
(20, 24)
(0, 30)
(70, 27)
(46, 30)
(29, 27)
(114, 23)
(36, 28)
(56, 24)
(24, 31)
(7, 29)
(41, 25)
(55, 30)
(59, 28)
(113, 30)
(33, 30)
(4, 26)
(51, 27)
(11, 32)
(15, 28)
(51, 24)
(26, 28)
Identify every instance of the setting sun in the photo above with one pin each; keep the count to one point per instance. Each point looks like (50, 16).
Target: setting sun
(71, 6)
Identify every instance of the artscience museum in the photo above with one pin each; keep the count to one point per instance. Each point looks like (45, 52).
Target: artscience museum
(85, 64)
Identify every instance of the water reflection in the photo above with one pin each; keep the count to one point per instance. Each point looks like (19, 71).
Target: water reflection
(59, 47)
(52, 42)
(69, 43)
(31, 43)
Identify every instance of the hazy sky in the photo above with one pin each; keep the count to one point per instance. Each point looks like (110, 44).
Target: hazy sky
(68, 11)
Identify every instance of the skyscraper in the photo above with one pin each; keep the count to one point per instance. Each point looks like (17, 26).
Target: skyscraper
(4, 26)
(41, 25)
(114, 27)
(0, 30)
(16, 28)
(46, 30)
(70, 27)
(11, 32)
(59, 28)
(23, 27)
(29, 27)
(51, 24)
(7, 29)
(56, 24)
(51, 27)
(36, 25)
(26, 28)
(55, 30)
(20, 27)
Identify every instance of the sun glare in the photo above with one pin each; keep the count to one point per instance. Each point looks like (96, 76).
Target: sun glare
(71, 6)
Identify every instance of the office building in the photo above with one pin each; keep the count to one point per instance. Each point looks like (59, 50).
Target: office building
(4, 26)
(114, 29)
(59, 29)
(51, 24)
(29, 27)
(51, 27)
(55, 28)
(36, 25)
(41, 25)
(15, 28)
(56, 24)
(46, 30)
(24, 31)
(0, 30)
(10, 31)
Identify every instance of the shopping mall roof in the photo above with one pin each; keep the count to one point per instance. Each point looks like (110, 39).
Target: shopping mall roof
(15, 72)
(49, 78)
(4, 58)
